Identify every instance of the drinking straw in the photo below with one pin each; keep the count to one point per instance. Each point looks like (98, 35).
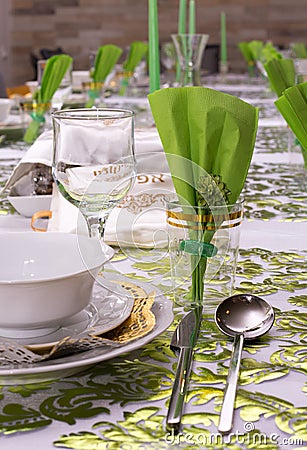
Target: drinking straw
(223, 39)
(192, 17)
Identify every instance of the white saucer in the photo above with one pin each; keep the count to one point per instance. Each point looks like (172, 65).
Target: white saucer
(69, 365)
(106, 311)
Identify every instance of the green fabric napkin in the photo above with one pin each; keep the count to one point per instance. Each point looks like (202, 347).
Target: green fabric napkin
(281, 73)
(292, 104)
(205, 131)
(106, 58)
(255, 48)
(54, 71)
(269, 52)
(248, 55)
(137, 51)
(263, 52)
(299, 49)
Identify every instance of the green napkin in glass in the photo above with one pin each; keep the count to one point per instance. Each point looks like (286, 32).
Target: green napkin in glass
(106, 58)
(54, 71)
(137, 51)
(248, 55)
(205, 131)
(281, 73)
(269, 52)
(255, 48)
(299, 50)
(292, 104)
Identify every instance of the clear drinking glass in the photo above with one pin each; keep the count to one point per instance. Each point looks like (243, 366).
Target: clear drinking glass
(93, 160)
(194, 235)
(190, 49)
(300, 70)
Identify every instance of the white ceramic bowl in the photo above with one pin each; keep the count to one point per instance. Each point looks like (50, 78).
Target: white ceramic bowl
(5, 107)
(27, 205)
(46, 278)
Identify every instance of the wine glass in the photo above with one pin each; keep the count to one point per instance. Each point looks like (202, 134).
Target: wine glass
(94, 164)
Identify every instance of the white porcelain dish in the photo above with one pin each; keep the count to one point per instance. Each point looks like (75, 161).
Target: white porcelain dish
(106, 311)
(30, 204)
(69, 365)
(46, 278)
(5, 107)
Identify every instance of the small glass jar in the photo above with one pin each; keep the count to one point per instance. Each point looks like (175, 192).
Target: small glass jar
(94, 92)
(36, 118)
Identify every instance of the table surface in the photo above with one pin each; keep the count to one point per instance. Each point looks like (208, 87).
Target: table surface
(122, 402)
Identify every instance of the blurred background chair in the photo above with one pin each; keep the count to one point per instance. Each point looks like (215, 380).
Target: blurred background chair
(210, 63)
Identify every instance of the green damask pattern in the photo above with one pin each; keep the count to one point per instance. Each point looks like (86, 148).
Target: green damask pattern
(136, 387)
(282, 195)
(271, 139)
(113, 382)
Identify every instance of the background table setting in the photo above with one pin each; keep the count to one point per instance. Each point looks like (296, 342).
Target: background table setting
(104, 377)
(123, 394)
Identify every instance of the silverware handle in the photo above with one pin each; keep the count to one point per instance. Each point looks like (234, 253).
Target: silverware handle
(226, 415)
(180, 386)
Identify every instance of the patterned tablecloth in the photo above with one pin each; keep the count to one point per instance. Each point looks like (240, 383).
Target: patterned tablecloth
(122, 402)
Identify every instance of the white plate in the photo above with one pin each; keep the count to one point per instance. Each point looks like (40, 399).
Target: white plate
(106, 311)
(69, 365)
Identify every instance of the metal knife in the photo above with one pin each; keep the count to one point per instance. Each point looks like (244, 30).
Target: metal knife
(183, 341)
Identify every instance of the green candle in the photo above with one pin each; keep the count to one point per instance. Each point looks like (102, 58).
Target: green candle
(223, 39)
(182, 16)
(192, 17)
(153, 46)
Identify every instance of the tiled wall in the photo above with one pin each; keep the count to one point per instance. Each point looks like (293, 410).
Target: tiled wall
(79, 26)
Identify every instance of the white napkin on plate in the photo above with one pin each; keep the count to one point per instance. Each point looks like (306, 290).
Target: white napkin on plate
(39, 152)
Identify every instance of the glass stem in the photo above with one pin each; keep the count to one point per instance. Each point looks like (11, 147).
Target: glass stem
(96, 226)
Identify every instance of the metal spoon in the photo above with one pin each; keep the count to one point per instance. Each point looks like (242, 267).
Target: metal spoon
(242, 316)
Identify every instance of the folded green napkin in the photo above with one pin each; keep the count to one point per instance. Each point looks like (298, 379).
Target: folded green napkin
(292, 104)
(205, 131)
(106, 58)
(248, 55)
(255, 48)
(263, 52)
(54, 71)
(269, 52)
(281, 73)
(137, 51)
(299, 50)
